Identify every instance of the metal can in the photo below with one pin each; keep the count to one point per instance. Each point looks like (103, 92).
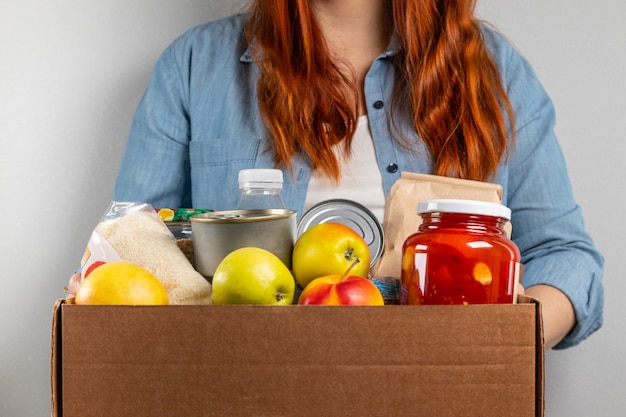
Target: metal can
(218, 233)
(351, 214)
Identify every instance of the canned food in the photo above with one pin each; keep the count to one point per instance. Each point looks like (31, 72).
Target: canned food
(218, 233)
(351, 214)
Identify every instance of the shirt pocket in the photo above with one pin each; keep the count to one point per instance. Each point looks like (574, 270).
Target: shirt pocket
(223, 151)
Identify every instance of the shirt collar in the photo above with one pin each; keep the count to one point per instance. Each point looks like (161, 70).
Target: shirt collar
(392, 49)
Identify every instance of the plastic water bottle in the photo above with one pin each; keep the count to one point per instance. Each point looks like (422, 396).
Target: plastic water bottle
(260, 189)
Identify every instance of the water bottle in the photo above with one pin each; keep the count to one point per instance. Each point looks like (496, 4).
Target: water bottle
(260, 189)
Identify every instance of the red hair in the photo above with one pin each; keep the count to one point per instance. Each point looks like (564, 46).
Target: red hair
(446, 80)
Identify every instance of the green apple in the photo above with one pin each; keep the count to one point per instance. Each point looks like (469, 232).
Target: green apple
(329, 249)
(252, 276)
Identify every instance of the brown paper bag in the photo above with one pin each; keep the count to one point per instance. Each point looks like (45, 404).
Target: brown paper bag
(401, 219)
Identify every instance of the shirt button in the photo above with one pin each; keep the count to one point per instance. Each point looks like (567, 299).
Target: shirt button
(379, 105)
(392, 168)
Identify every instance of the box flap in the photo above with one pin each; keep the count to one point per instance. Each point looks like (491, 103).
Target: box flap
(55, 367)
(541, 404)
(540, 350)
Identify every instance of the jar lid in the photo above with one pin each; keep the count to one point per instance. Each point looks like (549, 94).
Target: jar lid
(448, 205)
(261, 178)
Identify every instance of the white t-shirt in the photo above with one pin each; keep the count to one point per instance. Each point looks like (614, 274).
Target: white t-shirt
(360, 180)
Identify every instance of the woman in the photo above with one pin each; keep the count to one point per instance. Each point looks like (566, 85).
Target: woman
(329, 89)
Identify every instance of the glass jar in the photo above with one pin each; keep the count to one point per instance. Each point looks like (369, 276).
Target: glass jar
(460, 254)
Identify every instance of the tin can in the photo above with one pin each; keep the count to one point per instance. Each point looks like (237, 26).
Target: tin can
(218, 233)
(349, 213)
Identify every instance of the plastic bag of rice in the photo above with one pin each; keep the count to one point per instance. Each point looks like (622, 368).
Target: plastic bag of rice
(135, 233)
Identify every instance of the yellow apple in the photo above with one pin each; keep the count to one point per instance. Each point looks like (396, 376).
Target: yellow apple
(329, 249)
(252, 276)
(121, 283)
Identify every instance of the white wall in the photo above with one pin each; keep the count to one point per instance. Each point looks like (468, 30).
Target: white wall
(71, 75)
(72, 72)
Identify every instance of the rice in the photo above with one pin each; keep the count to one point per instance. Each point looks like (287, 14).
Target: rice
(142, 238)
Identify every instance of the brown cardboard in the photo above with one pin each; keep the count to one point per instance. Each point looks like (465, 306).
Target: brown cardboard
(313, 361)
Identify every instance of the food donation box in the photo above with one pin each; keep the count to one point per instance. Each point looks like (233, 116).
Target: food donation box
(313, 361)
(193, 358)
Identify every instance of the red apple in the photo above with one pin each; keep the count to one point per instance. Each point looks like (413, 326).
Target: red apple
(341, 290)
(93, 266)
(329, 249)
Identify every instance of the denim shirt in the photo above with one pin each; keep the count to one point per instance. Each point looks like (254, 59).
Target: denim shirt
(198, 124)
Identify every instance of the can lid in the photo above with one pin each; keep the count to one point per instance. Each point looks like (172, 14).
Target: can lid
(448, 205)
(351, 214)
(242, 216)
(260, 178)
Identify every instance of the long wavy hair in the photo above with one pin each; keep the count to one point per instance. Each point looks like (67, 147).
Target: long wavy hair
(447, 83)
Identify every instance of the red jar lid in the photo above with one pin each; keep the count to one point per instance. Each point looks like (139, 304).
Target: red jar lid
(448, 205)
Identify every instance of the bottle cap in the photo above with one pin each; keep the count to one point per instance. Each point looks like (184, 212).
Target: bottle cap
(261, 178)
(464, 207)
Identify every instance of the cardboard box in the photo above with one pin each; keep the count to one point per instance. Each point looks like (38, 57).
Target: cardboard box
(313, 361)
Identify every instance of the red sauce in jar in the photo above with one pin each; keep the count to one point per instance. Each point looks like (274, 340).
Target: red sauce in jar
(460, 254)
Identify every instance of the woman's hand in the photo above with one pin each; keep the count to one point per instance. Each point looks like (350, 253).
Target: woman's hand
(558, 313)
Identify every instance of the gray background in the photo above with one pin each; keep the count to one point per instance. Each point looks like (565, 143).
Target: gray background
(73, 71)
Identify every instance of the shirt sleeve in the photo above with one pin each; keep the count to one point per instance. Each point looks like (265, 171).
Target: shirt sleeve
(155, 166)
(548, 225)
